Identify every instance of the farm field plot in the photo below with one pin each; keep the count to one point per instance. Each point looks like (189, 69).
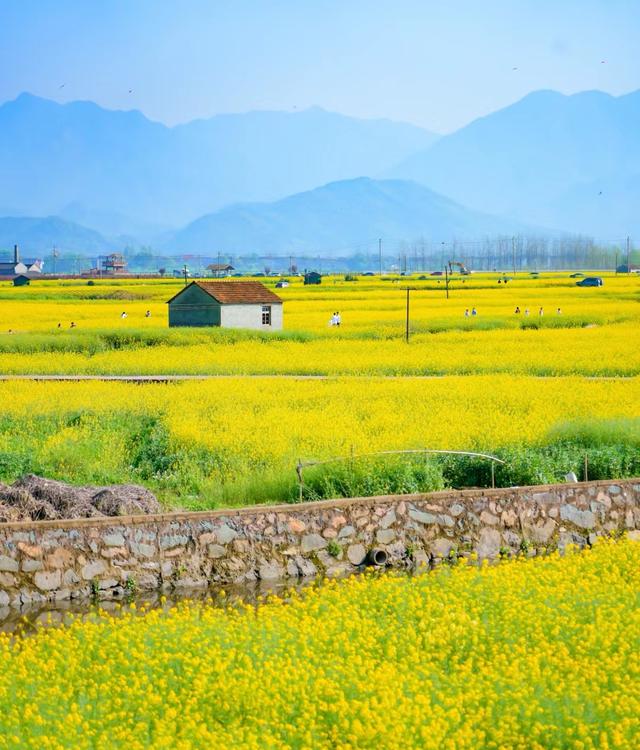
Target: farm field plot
(597, 332)
(233, 440)
(514, 655)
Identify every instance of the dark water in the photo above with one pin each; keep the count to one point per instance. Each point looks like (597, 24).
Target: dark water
(29, 618)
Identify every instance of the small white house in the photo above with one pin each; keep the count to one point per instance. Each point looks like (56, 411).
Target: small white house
(228, 304)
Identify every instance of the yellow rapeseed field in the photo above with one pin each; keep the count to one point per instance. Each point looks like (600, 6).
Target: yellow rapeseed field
(597, 331)
(522, 655)
(238, 429)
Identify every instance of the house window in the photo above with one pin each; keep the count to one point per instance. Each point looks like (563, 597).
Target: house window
(266, 315)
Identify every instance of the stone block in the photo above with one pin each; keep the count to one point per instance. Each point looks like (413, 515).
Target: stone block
(388, 519)
(385, 536)
(173, 540)
(345, 532)
(441, 547)
(143, 550)
(113, 540)
(31, 566)
(356, 554)
(447, 521)
(8, 564)
(305, 567)
(225, 534)
(489, 543)
(70, 578)
(421, 517)
(93, 569)
(312, 542)
(489, 518)
(47, 581)
(269, 570)
(540, 532)
(585, 519)
(296, 526)
(7, 580)
(107, 583)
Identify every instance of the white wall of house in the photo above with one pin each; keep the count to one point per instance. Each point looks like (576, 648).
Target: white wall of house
(250, 316)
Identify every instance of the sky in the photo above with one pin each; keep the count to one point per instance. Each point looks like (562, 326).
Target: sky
(435, 63)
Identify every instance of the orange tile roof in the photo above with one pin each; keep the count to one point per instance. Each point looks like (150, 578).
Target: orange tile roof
(237, 292)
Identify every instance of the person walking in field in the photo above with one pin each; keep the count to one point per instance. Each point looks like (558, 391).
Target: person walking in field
(73, 325)
(541, 312)
(558, 311)
(147, 314)
(466, 313)
(338, 319)
(332, 319)
(517, 311)
(123, 315)
(474, 312)
(526, 311)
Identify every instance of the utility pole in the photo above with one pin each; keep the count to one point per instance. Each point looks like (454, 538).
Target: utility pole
(628, 255)
(185, 271)
(380, 256)
(408, 289)
(446, 279)
(513, 252)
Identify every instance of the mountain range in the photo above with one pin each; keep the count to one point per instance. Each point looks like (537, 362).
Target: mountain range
(334, 218)
(101, 162)
(77, 175)
(569, 162)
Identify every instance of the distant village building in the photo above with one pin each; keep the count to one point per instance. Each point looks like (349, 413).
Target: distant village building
(22, 280)
(220, 269)
(114, 264)
(624, 268)
(18, 266)
(228, 304)
(312, 277)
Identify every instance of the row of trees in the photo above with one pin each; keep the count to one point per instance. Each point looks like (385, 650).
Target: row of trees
(502, 253)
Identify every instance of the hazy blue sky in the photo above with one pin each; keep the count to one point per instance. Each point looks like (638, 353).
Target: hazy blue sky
(438, 64)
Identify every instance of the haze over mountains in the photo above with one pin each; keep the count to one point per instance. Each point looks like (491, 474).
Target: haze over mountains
(566, 162)
(333, 217)
(103, 161)
(281, 182)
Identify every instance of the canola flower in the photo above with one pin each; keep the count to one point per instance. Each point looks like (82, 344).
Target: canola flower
(525, 654)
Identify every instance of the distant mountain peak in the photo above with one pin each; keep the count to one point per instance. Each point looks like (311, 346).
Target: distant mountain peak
(337, 215)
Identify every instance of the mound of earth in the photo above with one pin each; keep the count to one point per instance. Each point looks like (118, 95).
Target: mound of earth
(33, 498)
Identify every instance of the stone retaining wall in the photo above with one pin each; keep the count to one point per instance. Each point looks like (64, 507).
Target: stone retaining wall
(109, 557)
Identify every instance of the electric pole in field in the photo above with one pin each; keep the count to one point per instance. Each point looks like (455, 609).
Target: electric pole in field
(185, 271)
(407, 289)
(446, 279)
(628, 255)
(513, 253)
(380, 256)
